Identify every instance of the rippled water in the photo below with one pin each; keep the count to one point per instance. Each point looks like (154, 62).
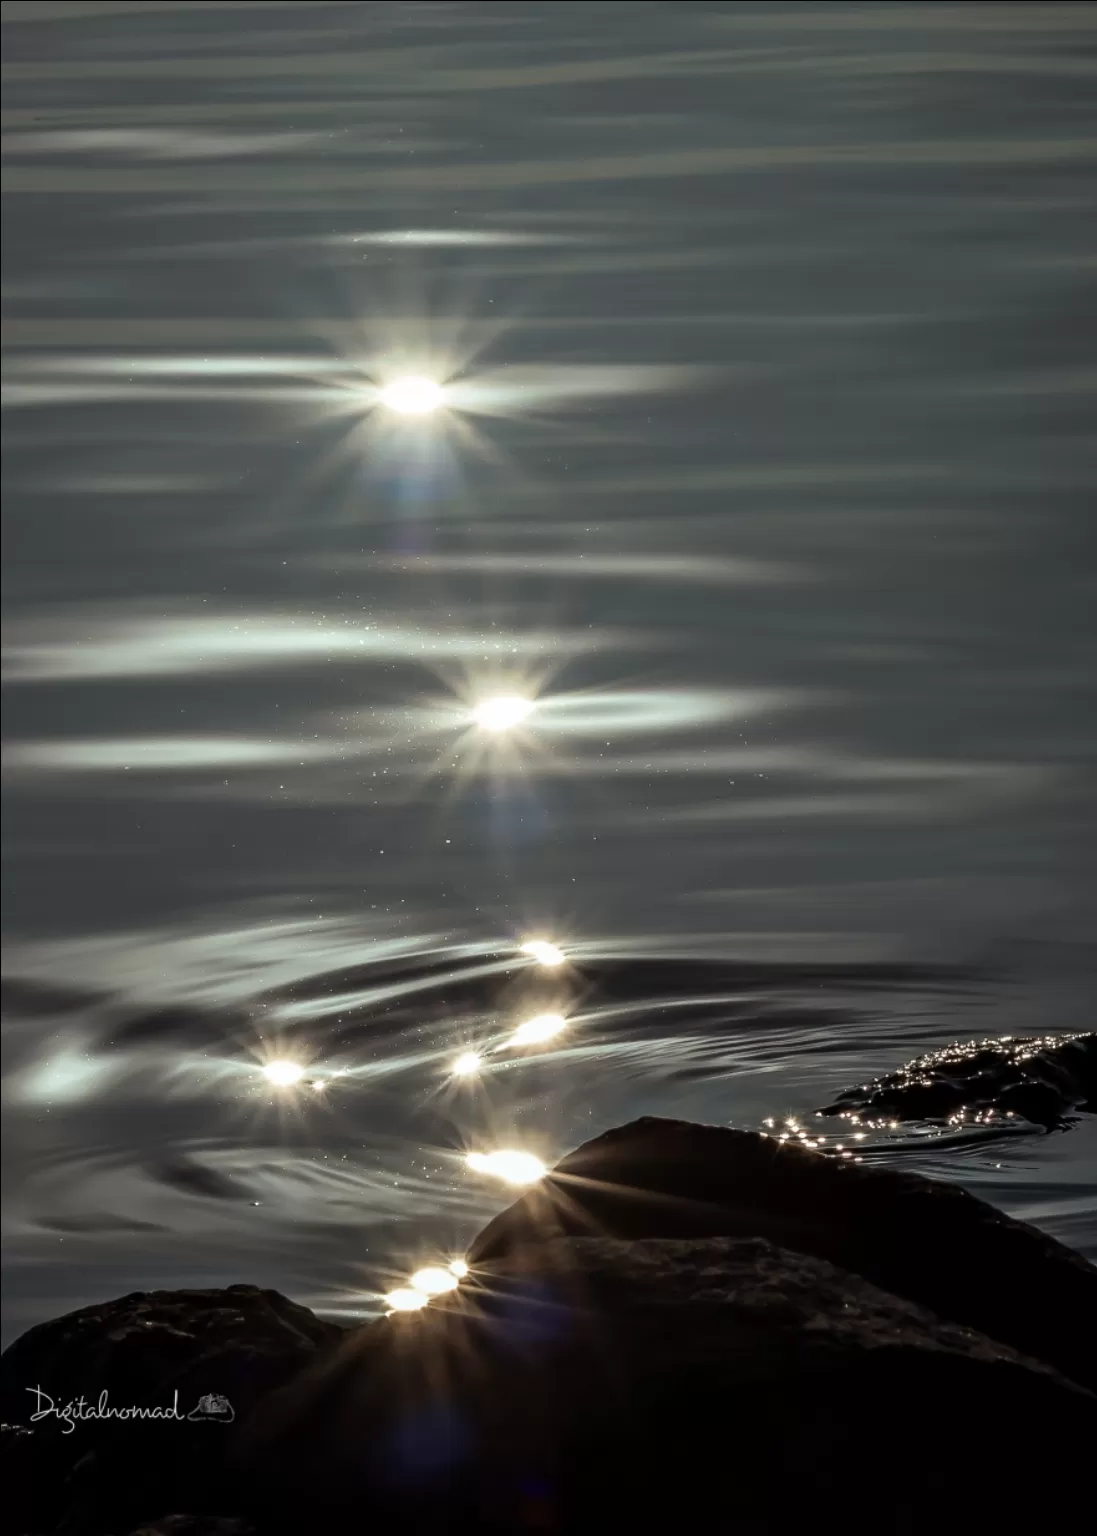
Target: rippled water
(764, 469)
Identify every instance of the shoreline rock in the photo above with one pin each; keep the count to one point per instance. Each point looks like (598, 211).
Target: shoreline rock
(918, 1238)
(1042, 1081)
(175, 1354)
(593, 1384)
(681, 1324)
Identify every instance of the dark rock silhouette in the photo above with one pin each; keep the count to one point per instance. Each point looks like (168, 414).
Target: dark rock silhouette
(1042, 1080)
(682, 1325)
(593, 1384)
(194, 1525)
(160, 1351)
(930, 1242)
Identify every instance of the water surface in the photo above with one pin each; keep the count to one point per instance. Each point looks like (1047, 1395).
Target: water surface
(766, 471)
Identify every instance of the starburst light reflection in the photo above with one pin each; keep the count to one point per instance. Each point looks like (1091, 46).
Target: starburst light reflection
(510, 1166)
(544, 1026)
(434, 1280)
(412, 396)
(406, 1300)
(502, 714)
(543, 952)
(283, 1074)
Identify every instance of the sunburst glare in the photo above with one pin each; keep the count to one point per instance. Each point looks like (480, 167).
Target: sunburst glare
(283, 1074)
(467, 1064)
(412, 396)
(434, 1280)
(406, 1300)
(543, 952)
(535, 1031)
(502, 714)
(510, 1166)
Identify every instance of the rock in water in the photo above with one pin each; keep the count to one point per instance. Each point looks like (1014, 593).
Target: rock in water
(594, 1385)
(683, 1327)
(930, 1242)
(1044, 1081)
(204, 1357)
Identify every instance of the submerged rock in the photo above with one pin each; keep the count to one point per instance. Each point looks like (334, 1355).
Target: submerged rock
(1042, 1080)
(594, 1384)
(930, 1242)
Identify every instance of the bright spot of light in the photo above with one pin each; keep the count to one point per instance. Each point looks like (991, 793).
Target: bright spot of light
(283, 1074)
(511, 1167)
(467, 1065)
(459, 1268)
(412, 396)
(502, 714)
(543, 952)
(433, 1280)
(543, 1027)
(406, 1300)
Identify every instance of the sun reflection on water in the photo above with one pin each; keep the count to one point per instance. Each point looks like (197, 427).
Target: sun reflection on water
(413, 395)
(535, 1031)
(503, 713)
(283, 1074)
(543, 952)
(512, 1167)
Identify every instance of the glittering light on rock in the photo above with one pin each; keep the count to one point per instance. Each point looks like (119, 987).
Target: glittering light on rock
(511, 1167)
(502, 714)
(283, 1074)
(545, 1026)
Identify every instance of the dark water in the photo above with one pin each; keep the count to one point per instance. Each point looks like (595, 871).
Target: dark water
(766, 469)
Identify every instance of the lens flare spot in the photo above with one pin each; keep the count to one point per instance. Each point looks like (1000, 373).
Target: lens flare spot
(433, 1280)
(467, 1064)
(406, 1300)
(502, 714)
(283, 1074)
(459, 1268)
(543, 952)
(511, 1167)
(545, 1026)
(412, 396)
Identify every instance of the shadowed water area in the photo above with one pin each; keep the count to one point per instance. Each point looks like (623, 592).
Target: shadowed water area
(762, 473)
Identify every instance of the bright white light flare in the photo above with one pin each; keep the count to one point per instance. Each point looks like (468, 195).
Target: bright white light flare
(412, 396)
(467, 1065)
(283, 1074)
(543, 952)
(433, 1280)
(459, 1268)
(502, 714)
(406, 1300)
(536, 1030)
(511, 1167)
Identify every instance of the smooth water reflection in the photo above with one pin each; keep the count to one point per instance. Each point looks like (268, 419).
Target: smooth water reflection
(334, 1195)
(708, 665)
